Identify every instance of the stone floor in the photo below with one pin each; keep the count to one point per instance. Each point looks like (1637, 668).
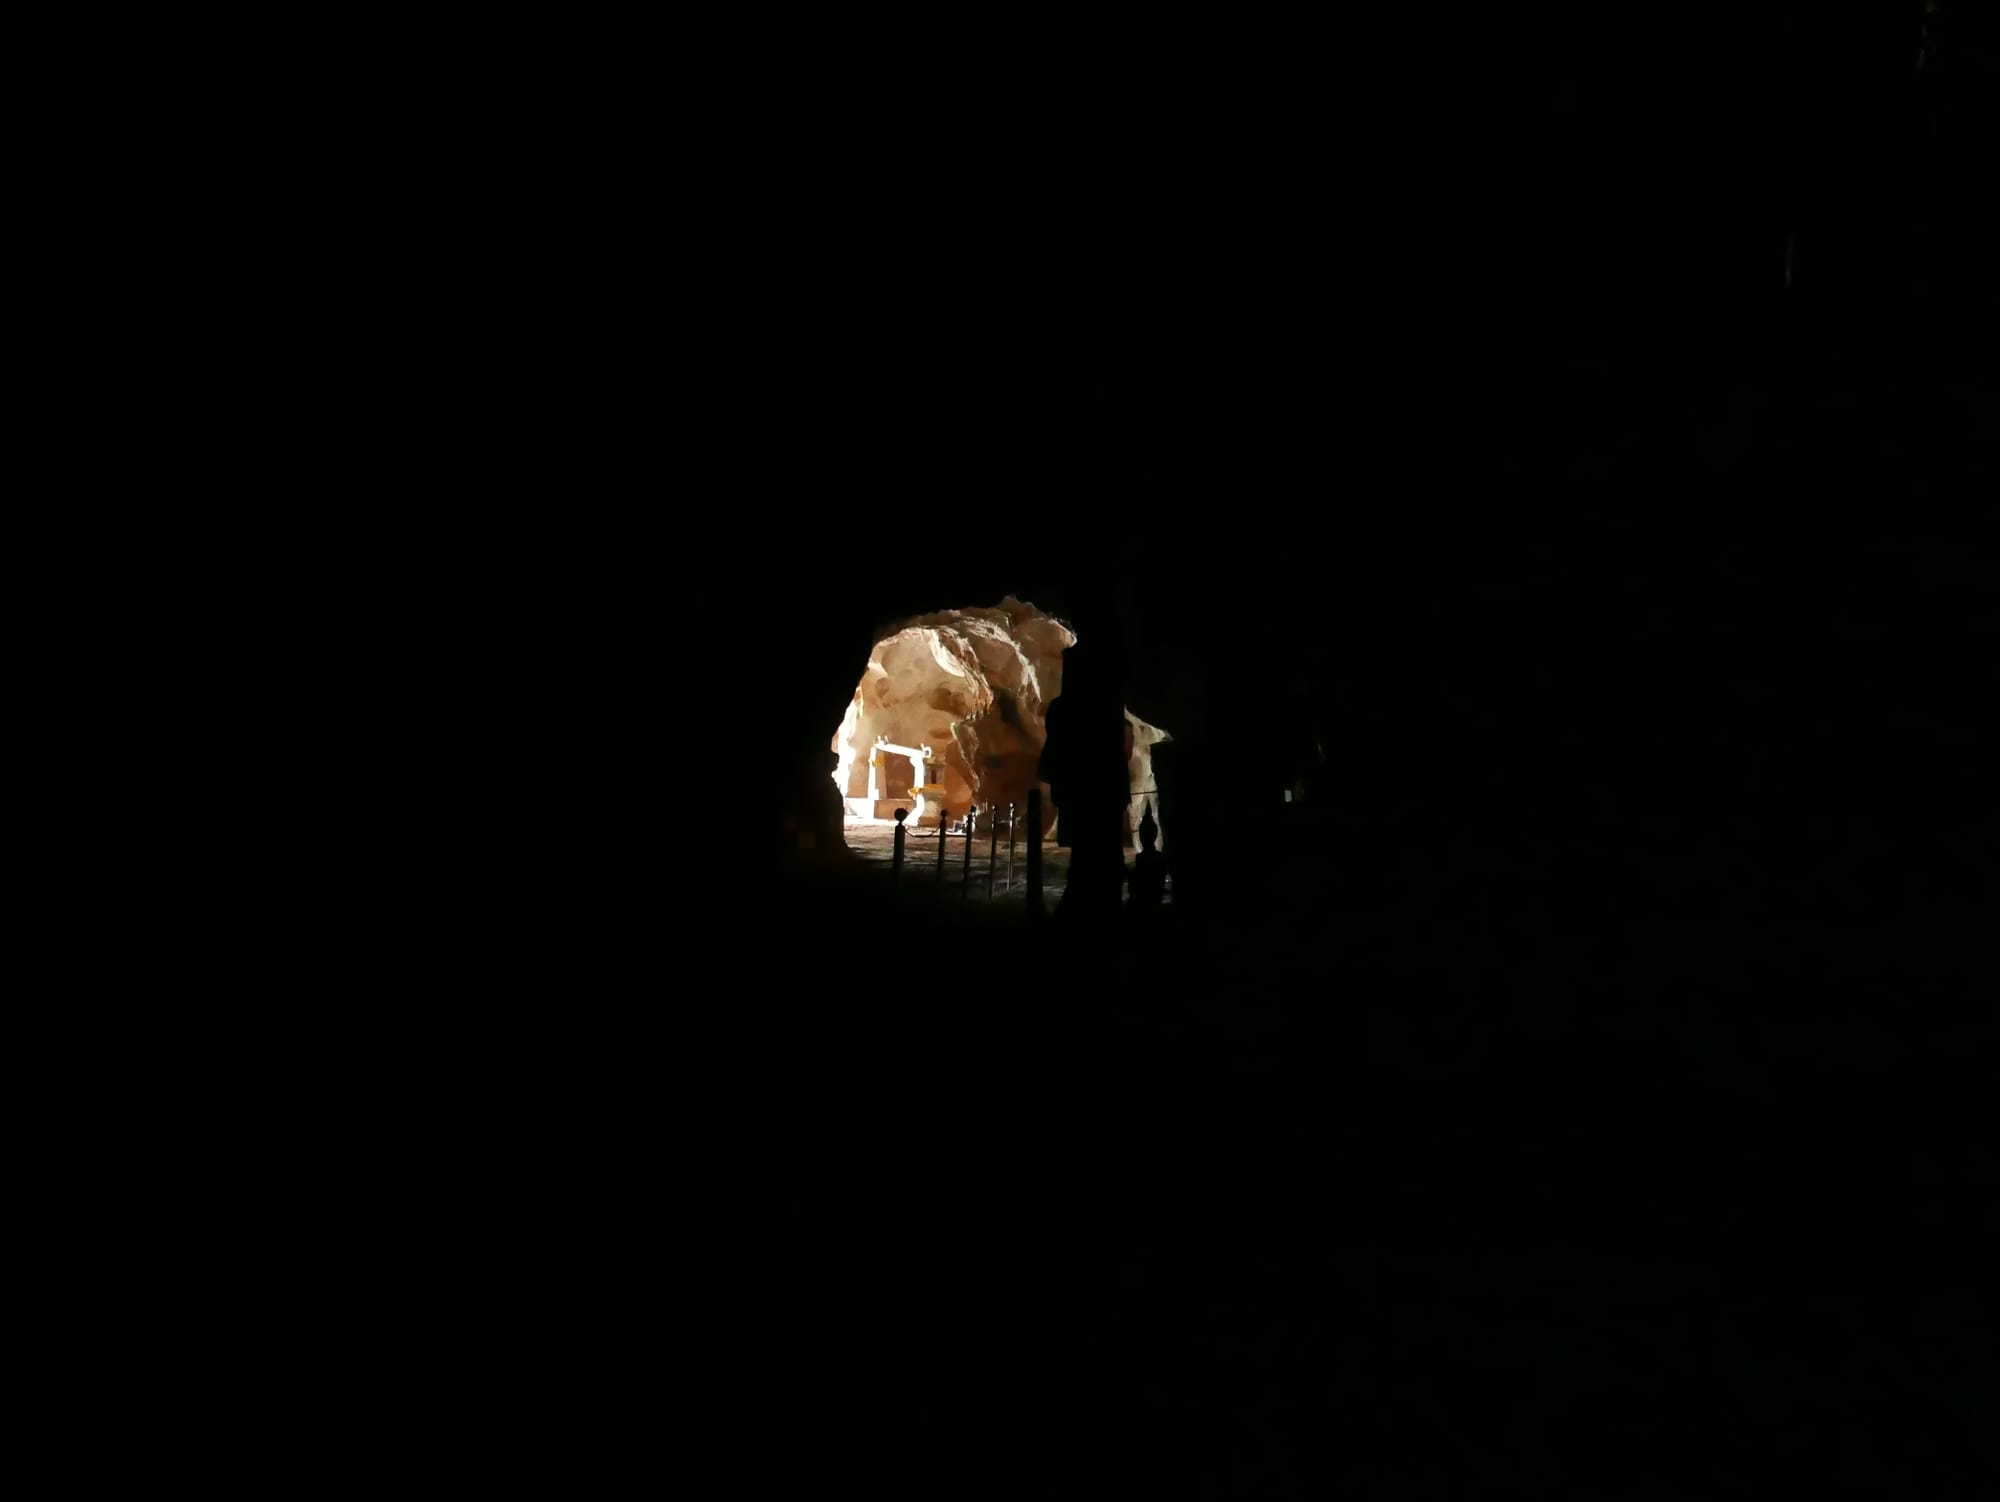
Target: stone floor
(875, 843)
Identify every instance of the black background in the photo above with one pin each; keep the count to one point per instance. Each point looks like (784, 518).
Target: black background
(457, 462)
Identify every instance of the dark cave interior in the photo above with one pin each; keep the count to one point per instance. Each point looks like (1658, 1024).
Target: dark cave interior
(425, 1040)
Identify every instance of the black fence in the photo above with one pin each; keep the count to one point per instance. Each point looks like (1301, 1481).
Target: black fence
(948, 858)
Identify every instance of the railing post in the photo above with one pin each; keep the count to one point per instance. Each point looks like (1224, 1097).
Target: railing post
(965, 866)
(1035, 852)
(992, 847)
(1013, 825)
(944, 847)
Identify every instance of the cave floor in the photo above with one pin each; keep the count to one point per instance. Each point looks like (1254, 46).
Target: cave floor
(876, 844)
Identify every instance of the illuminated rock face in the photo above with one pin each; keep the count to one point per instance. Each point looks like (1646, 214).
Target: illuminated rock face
(973, 687)
(1140, 738)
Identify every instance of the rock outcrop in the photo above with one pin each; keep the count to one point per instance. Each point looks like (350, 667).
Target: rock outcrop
(1140, 738)
(973, 686)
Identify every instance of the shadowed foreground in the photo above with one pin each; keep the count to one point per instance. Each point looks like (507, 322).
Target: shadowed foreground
(1413, 1205)
(1427, 1208)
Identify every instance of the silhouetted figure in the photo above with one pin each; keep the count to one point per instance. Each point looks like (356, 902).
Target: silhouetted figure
(1084, 763)
(896, 866)
(1149, 870)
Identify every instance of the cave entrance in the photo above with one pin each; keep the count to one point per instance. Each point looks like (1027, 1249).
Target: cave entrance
(951, 712)
(912, 791)
(948, 714)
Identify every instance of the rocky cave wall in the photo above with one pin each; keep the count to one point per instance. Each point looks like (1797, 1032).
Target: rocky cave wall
(974, 685)
(1140, 738)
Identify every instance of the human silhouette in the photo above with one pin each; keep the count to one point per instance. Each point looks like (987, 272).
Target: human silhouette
(1083, 762)
(1149, 869)
(896, 865)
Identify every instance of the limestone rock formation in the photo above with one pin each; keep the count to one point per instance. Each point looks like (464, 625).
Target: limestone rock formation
(1140, 738)
(972, 688)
